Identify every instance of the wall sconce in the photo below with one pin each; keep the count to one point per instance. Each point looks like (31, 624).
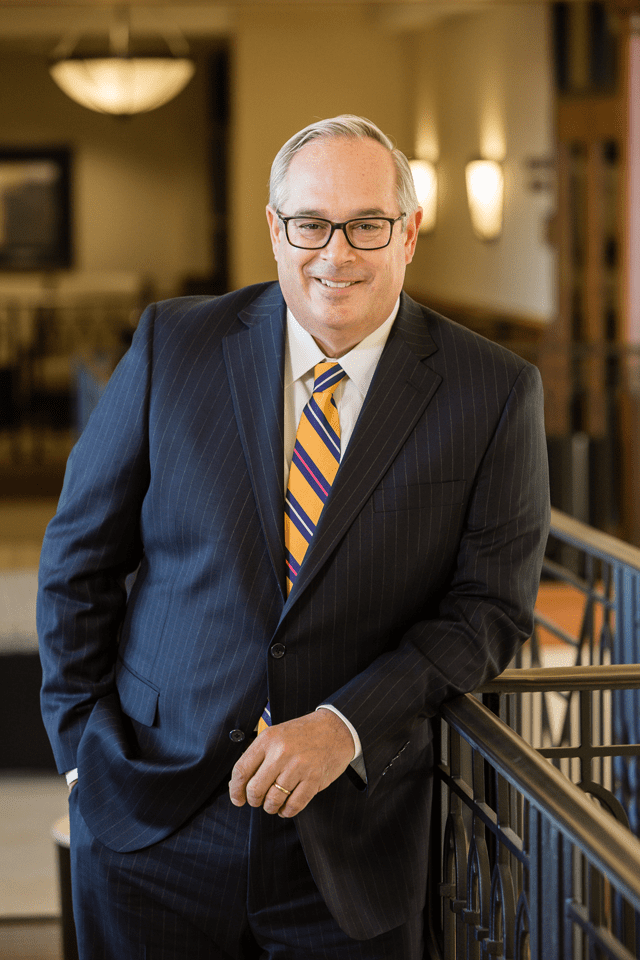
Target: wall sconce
(485, 195)
(121, 84)
(425, 179)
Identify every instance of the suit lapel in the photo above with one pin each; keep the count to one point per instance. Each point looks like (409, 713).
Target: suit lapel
(255, 364)
(400, 391)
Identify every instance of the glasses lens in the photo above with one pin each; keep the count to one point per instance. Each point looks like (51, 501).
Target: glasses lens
(309, 233)
(369, 234)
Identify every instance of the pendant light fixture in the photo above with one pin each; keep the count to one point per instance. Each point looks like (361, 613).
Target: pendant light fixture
(119, 83)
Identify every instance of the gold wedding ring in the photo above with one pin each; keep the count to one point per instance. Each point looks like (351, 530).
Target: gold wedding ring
(284, 790)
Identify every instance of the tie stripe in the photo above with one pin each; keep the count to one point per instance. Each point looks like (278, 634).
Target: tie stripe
(315, 462)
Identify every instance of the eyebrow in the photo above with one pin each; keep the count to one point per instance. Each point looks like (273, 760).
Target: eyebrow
(369, 212)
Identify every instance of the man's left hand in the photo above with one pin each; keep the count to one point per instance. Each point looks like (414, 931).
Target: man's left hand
(301, 756)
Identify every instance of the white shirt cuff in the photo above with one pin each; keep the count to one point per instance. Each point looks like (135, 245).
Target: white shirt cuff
(71, 776)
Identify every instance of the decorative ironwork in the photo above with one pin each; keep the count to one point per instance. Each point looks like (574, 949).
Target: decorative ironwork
(605, 574)
(531, 867)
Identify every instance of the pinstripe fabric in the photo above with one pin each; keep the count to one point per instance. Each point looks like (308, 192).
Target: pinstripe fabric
(180, 900)
(419, 583)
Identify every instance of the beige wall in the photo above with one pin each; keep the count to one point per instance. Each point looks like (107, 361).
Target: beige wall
(483, 88)
(140, 186)
(290, 70)
(469, 85)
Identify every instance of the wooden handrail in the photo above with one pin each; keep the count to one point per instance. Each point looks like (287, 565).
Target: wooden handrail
(596, 543)
(624, 676)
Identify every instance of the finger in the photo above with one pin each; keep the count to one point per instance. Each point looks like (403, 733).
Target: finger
(276, 797)
(300, 797)
(243, 771)
(261, 785)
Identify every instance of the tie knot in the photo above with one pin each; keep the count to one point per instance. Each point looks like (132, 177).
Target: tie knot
(327, 376)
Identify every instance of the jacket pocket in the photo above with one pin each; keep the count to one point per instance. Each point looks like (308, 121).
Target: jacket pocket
(138, 697)
(416, 496)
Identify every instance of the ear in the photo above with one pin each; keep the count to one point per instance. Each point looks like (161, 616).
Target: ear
(411, 234)
(275, 230)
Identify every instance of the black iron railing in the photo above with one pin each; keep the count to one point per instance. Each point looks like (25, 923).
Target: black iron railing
(603, 574)
(533, 853)
(529, 865)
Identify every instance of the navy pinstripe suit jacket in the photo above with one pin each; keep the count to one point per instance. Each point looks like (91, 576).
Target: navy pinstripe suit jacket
(419, 583)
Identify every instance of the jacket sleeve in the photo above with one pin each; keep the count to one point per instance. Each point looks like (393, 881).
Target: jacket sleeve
(487, 611)
(90, 547)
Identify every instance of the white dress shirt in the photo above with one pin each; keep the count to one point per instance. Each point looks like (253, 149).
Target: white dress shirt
(302, 353)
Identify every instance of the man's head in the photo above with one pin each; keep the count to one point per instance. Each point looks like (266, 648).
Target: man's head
(340, 170)
(356, 128)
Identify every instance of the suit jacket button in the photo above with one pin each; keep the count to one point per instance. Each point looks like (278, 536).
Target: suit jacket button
(278, 650)
(236, 735)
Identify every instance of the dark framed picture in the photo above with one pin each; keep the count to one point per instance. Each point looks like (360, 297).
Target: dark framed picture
(35, 209)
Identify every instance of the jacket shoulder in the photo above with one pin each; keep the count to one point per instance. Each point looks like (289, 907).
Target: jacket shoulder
(227, 304)
(191, 321)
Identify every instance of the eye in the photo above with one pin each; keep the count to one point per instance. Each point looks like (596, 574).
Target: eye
(310, 226)
(368, 226)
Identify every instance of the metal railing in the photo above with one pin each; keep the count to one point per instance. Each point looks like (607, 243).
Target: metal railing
(602, 574)
(531, 864)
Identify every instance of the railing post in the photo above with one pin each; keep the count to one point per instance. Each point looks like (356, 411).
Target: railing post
(626, 703)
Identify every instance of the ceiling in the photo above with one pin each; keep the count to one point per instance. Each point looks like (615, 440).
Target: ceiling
(35, 24)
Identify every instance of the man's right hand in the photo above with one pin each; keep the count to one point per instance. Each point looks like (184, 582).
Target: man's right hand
(72, 785)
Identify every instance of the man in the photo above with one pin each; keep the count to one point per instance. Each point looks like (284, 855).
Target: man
(404, 574)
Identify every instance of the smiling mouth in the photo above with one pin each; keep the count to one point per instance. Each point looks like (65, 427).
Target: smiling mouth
(336, 284)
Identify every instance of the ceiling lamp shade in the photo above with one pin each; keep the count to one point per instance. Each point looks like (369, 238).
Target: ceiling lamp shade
(485, 195)
(425, 180)
(122, 85)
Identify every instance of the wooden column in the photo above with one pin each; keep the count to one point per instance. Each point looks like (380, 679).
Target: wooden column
(630, 287)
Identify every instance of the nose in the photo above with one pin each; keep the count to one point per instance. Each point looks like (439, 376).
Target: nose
(338, 248)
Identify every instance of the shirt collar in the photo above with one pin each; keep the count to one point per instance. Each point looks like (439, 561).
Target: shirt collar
(359, 363)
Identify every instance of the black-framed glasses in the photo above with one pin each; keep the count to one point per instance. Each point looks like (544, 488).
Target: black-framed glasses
(363, 233)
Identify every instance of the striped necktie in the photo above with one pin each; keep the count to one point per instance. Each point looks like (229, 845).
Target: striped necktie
(315, 462)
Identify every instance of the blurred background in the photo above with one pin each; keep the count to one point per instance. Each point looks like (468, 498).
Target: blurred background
(102, 213)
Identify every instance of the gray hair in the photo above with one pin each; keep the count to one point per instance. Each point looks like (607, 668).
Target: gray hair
(351, 127)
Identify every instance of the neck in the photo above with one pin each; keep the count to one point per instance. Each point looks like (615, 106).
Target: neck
(333, 350)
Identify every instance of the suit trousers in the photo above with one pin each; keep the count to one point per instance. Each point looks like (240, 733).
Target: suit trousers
(230, 884)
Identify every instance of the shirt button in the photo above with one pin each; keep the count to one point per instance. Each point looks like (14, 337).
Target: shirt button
(236, 735)
(278, 650)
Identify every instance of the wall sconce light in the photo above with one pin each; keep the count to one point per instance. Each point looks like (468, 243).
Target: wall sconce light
(121, 84)
(485, 195)
(425, 179)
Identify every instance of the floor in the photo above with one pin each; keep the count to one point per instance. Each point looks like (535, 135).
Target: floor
(32, 940)
(30, 803)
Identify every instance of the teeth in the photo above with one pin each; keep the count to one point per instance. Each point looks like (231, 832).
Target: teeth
(331, 283)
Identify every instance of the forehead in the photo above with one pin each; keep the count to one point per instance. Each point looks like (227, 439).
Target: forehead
(342, 176)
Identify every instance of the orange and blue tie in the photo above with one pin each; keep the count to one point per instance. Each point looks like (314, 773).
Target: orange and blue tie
(315, 462)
